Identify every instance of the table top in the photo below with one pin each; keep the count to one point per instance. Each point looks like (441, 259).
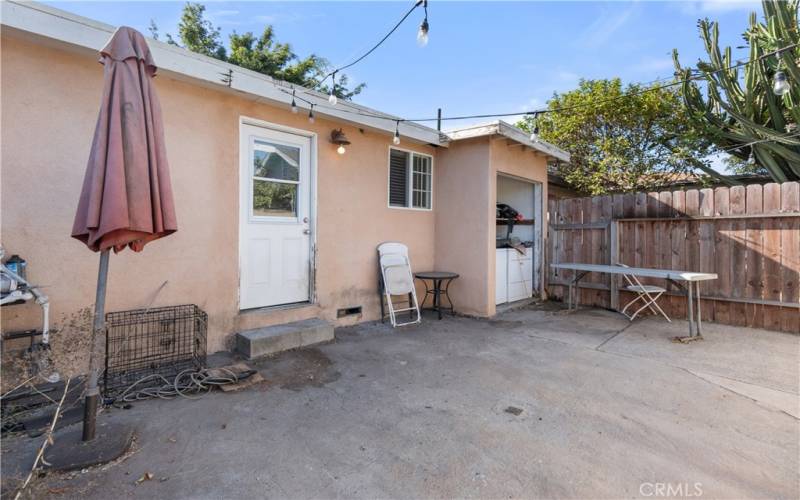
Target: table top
(638, 271)
(435, 275)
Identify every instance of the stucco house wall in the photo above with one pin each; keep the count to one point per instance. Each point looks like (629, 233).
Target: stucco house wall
(465, 215)
(50, 99)
(464, 228)
(49, 96)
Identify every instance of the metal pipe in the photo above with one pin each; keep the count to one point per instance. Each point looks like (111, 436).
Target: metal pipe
(699, 321)
(91, 402)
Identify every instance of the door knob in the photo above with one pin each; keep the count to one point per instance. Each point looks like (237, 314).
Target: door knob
(305, 220)
(306, 231)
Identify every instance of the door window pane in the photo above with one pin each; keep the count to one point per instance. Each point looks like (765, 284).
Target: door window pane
(274, 199)
(275, 161)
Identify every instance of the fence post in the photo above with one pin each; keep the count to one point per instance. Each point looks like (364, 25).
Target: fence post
(613, 258)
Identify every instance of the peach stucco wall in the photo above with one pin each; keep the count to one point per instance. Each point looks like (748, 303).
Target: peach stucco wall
(465, 213)
(464, 226)
(50, 99)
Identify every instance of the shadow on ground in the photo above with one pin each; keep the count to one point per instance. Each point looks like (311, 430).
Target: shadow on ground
(533, 403)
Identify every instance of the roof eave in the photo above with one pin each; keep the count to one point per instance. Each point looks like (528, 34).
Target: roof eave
(89, 35)
(510, 132)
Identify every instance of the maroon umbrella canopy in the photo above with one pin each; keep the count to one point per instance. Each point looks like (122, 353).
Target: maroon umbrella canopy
(126, 197)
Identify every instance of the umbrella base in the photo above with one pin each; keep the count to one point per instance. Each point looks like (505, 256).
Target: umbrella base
(70, 452)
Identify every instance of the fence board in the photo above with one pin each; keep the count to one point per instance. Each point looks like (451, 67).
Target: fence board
(707, 256)
(754, 204)
(723, 246)
(739, 262)
(664, 248)
(757, 258)
(576, 211)
(552, 251)
(603, 299)
(596, 249)
(692, 243)
(677, 239)
(563, 252)
(771, 272)
(790, 257)
(665, 210)
(706, 250)
(585, 295)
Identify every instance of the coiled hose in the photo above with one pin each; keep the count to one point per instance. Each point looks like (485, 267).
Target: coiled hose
(187, 382)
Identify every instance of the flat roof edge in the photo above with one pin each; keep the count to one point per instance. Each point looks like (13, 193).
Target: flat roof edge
(509, 131)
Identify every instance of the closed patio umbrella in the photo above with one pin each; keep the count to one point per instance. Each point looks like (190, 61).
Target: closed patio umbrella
(126, 200)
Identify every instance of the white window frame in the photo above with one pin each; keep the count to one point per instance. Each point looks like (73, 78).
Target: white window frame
(254, 177)
(410, 172)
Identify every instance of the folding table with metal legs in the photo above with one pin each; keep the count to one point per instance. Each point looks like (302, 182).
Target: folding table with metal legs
(691, 278)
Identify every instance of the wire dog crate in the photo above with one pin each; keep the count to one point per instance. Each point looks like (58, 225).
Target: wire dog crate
(159, 341)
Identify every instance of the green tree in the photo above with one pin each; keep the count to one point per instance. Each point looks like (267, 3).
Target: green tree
(263, 54)
(734, 104)
(198, 34)
(620, 138)
(737, 165)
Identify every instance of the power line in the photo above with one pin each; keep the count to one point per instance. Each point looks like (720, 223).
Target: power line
(562, 109)
(612, 99)
(374, 47)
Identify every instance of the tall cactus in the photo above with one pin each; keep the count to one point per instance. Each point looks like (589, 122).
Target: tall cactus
(736, 105)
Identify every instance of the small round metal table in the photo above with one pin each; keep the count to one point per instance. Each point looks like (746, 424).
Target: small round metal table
(437, 279)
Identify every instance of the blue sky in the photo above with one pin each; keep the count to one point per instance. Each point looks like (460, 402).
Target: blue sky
(483, 57)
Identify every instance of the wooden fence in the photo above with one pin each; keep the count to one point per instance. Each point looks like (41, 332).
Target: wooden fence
(749, 236)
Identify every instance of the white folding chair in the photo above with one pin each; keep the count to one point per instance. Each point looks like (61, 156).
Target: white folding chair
(649, 294)
(397, 280)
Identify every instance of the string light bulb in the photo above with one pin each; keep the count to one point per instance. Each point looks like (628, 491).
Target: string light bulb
(396, 139)
(780, 85)
(422, 34)
(294, 104)
(311, 114)
(332, 96)
(535, 133)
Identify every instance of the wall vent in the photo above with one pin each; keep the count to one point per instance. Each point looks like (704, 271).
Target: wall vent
(348, 311)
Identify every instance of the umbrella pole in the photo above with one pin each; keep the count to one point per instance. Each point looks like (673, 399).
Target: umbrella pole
(92, 391)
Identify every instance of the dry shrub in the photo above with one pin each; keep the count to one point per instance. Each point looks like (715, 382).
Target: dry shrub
(70, 345)
(70, 340)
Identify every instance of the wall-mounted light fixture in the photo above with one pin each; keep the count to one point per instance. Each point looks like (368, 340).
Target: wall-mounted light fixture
(338, 138)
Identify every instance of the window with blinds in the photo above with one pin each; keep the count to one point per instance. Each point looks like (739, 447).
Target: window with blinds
(410, 180)
(398, 178)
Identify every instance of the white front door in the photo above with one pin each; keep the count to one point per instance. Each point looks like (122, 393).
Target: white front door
(274, 219)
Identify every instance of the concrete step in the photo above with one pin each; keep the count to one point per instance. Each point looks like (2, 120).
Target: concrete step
(276, 315)
(277, 338)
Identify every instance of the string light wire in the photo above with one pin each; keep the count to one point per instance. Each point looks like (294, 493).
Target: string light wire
(536, 113)
(374, 47)
(561, 109)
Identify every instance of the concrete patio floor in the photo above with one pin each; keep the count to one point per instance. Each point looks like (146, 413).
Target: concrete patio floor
(608, 409)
